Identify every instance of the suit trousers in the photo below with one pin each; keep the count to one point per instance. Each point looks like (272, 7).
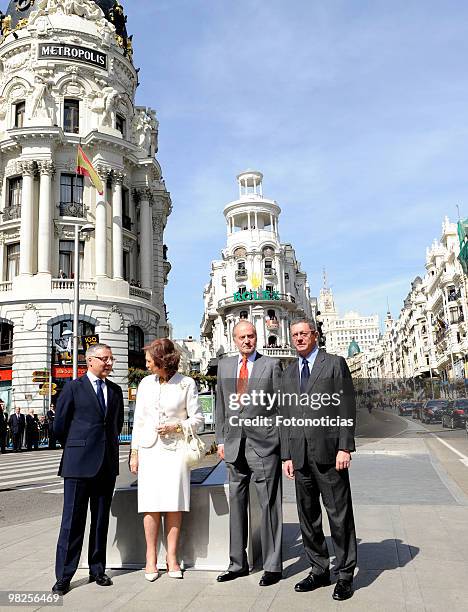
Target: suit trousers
(265, 472)
(17, 440)
(78, 493)
(312, 481)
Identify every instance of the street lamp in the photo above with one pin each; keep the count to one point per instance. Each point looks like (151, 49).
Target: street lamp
(79, 229)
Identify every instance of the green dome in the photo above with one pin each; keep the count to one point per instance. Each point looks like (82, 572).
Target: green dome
(353, 348)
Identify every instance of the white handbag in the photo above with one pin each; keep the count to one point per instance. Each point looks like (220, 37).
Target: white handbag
(194, 448)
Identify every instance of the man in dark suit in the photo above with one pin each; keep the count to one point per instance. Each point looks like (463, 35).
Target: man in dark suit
(318, 456)
(50, 421)
(32, 430)
(88, 421)
(251, 451)
(17, 423)
(3, 427)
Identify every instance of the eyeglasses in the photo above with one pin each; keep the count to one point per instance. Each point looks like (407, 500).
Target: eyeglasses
(303, 334)
(104, 359)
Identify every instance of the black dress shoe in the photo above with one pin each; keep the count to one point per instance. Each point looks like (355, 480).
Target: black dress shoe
(269, 578)
(312, 582)
(101, 580)
(343, 590)
(61, 587)
(227, 576)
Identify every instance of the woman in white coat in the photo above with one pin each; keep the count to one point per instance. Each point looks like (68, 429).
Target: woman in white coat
(166, 406)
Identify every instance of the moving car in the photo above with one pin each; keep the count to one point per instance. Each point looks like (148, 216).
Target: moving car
(406, 408)
(456, 413)
(432, 410)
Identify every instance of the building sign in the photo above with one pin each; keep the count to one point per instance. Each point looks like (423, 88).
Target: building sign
(207, 406)
(73, 52)
(6, 375)
(66, 372)
(256, 296)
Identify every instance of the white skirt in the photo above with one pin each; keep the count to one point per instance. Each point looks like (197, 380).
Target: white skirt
(163, 479)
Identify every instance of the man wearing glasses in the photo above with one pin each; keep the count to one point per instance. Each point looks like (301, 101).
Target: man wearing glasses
(318, 456)
(88, 421)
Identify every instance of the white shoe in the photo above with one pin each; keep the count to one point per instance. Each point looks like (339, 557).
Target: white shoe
(152, 576)
(175, 574)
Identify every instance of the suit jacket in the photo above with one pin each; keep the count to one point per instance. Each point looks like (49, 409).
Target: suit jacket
(87, 436)
(329, 375)
(16, 424)
(32, 424)
(50, 417)
(3, 422)
(265, 376)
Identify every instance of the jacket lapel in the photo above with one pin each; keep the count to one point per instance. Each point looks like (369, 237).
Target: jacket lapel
(317, 368)
(258, 367)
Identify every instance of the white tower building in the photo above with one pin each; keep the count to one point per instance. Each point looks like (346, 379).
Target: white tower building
(67, 77)
(258, 277)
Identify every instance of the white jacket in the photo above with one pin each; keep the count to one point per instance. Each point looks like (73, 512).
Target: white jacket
(176, 400)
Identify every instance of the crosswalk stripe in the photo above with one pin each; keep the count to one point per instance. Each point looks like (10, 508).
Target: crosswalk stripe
(25, 480)
(20, 468)
(33, 473)
(49, 484)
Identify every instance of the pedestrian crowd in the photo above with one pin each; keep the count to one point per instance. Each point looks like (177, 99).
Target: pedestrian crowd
(20, 431)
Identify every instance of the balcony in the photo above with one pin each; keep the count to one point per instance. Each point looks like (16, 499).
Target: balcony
(241, 275)
(453, 296)
(72, 209)
(11, 213)
(143, 294)
(7, 286)
(276, 351)
(68, 284)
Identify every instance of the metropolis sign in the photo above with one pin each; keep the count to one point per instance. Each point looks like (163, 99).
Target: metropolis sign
(72, 52)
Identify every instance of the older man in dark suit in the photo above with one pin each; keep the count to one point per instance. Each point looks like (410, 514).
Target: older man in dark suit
(87, 423)
(251, 450)
(318, 456)
(17, 423)
(3, 427)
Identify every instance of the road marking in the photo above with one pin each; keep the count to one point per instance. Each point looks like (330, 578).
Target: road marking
(51, 484)
(25, 480)
(51, 469)
(463, 458)
(32, 468)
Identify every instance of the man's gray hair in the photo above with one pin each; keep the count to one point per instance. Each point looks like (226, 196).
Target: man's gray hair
(310, 322)
(94, 348)
(241, 322)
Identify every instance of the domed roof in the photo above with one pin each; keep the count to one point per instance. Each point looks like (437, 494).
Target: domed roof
(353, 348)
(113, 11)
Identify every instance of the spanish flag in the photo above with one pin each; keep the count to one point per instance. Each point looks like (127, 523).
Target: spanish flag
(86, 168)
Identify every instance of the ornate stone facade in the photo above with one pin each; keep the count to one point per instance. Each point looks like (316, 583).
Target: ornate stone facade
(67, 78)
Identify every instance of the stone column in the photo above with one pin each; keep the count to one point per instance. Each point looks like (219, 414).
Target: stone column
(117, 241)
(28, 170)
(47, 170)
(101, 225)
(146, 228)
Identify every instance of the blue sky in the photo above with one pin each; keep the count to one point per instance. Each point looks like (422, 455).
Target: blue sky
(355, 111)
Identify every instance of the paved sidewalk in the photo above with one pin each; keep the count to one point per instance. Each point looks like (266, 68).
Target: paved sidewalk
(412, 526)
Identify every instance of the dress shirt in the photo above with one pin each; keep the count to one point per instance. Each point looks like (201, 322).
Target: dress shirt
(250, 361)
(94, 380)
(310, 359)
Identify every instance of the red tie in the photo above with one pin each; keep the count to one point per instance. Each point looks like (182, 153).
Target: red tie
(243, 380)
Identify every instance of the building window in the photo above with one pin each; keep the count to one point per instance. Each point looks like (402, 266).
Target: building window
(67, 258)
(121, 125)
(272, 341)
(136, 341)
(271, 315)
(126, 219)
(15, 186)
(126, 265)
(269, 288)
(62, 341)
(268, 266)
(242, 289)
(241, 266)
(71, 195)
(6, 345)
(13, 259)
(71, 116)
(244, 314)
(20, 109)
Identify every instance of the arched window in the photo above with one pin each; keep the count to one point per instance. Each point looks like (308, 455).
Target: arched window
(62, 341)
(244, 314)
(272, 341)
(136, 342)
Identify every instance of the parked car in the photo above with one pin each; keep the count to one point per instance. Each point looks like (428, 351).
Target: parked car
(432, 410)
(406, 408)
(456, 413)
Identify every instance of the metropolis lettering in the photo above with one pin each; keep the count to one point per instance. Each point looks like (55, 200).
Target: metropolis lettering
(73, 52)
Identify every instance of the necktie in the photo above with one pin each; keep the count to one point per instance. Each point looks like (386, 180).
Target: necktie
(243, 380)
(100, 395)
(304, 375)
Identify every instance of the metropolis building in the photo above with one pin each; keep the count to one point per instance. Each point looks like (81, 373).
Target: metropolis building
(257, 278)
(67, 78)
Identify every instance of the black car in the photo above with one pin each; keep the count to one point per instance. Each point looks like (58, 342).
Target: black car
(432, 410)
(417, 409)
(406, 408)
(456, 413)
